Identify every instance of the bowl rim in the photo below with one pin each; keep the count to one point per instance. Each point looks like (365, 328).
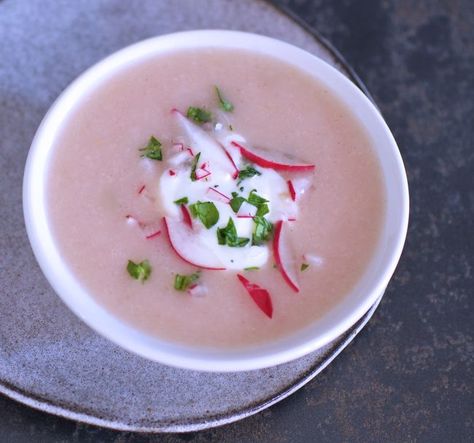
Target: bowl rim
(77, 298)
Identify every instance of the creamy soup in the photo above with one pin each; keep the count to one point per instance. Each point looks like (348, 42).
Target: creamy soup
(215, 198)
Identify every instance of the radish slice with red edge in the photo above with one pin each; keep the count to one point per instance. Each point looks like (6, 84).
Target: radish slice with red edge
(284, 258)
(186, 216)
(202, 142)
(259, 295)
(189, 246)
(197, 290)
(272, 160)
(291, 188)
(216, 195)
(153, 235)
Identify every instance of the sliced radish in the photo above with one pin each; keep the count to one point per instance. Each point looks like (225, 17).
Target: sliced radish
(171, 172)
(273, 160)
(216, 195)
(246, 210)
(202, 173)
(259, 295)
(284, 257)
(186, 216)
(178, 147)
(202, 142)
(141, 189)
(197, 290)
(291, 188)
(153, 235)
(301, 184)
(189, 246)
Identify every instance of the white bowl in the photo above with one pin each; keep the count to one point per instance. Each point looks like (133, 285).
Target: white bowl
(371, 285)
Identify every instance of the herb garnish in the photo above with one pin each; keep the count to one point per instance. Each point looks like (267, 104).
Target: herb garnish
(194, 166)
(248, 172)
(152, 150)
(255, 199)
(183, 282)
(224, 104)
(228, 236)
(252, 268)
(199, 115)
(139, 271)
(206, 211)
(182, 201)
(304, 266)
(263, 230)
(236, 202)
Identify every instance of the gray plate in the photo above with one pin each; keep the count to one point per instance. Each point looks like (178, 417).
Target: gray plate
(48, 358)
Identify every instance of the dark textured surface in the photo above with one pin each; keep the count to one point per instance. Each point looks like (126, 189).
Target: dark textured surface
(409, 375)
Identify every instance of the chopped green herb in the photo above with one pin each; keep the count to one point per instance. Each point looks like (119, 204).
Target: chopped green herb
(228, 236)
(183, 282)
(241, 189)
(152, 150)
(194, 166)
(206, 212)
(182, 201)
(262, 210)
(225, 105)
(139, 271)
(248, 172)
(304, 266)
(263, 230)
(252, 268)
(236, 202)
(199, 115)
(231, 127)
(255, 199)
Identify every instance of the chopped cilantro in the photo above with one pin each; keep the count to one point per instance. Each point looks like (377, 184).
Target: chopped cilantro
(228, 236)
(252, 268)
(152, 150)
(304, 266)
(194, 166)
(139, 271)
(263, 230)
(236, 202)
(182, 201)
(206, 211)
(183, 282)
(255, 199)
(248, 172)
(241, 189)
(199, 115)
(262, 210)
(224, 104)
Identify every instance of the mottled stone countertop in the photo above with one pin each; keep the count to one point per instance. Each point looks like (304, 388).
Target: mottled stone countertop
(409, 375)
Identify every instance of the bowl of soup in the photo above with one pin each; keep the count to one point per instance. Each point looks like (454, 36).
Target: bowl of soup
(216, 200)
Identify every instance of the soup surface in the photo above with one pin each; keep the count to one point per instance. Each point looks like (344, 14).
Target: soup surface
(108, 193)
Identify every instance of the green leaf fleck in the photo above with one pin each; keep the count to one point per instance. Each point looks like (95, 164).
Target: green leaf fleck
(228, 236)
(304, 266)
(262, 232)
(194, 166)
(139, 271)
(224, 104)
(252, 268)
(199, 115)
(152, 150)
(206, 212)
(236, 202)
(248, 172)
(255, 199)
(183, 282)
(182, 201)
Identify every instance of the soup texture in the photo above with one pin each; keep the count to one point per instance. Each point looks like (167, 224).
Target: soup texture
(215, 198)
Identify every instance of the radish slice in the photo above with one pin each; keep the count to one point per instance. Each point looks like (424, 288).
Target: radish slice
(171, 172)
(189, 247)
(272, 160)
(202, 142)
(284, 257)
(153, 235)
(197, 290)
(217, 196)
(301, 184)
(186, 216)
(291, 188)
(259, 295)
(178, 147)
(202, 173)
(141, 189)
